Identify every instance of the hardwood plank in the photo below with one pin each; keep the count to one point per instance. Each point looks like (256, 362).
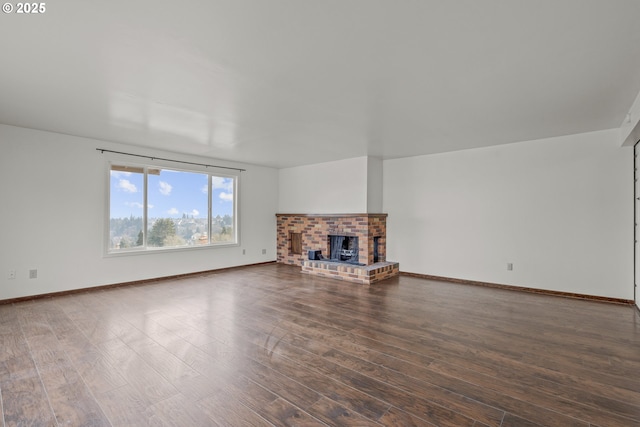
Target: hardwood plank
(269, 406)
(301, 374)
(282, 385)
(148, 382)
(227, 411)
(599, 411)
(282, 413)
(179, 410)
(156, 356)
(24, 402)
(196, 388)
(397, 417)
(511, 420)
(533, 410)
(362, 393)
(346, 394)
(98, 373)
(8, 314)
(13, 344)
(95, 330)
(349, 369)
(71, 401)
(126, 406)
(303, 326)
(267, 345)
(334, 414)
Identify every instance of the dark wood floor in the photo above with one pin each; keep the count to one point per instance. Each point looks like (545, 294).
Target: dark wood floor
(267, 345)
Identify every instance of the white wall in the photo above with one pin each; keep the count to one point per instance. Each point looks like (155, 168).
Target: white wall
(560, 210)
(344, 186)
(332, 187)
(52, 217)
(374, 184)
(630, 127)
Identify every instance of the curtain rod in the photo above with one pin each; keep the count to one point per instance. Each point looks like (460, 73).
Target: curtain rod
(103, 150)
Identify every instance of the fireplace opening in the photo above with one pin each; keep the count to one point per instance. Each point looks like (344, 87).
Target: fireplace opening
(344, 249)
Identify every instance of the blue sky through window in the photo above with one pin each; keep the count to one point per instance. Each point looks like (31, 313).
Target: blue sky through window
(170, 194)
(127, 195)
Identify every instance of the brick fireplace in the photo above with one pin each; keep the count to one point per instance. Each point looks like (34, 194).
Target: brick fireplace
(300, 233)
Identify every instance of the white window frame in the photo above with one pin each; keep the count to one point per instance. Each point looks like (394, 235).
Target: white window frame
(144, 249)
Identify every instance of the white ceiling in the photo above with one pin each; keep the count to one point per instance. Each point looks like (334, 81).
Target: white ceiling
(291, 82)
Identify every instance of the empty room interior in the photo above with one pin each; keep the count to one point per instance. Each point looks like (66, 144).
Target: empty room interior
(331, 213)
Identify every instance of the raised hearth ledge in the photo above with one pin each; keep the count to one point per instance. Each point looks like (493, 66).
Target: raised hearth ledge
(361, 274)
(350, 215)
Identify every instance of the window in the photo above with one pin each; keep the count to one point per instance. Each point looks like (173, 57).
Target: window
(152, 208)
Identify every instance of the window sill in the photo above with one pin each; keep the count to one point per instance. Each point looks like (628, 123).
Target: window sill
(147, 251)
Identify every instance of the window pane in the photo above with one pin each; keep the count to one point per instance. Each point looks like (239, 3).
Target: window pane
(125, 207)
(177, 208)
(222, 210)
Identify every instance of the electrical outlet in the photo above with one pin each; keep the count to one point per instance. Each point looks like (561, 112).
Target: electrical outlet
(264, 251)
(509, 266)
(11, 275)
(33, 274)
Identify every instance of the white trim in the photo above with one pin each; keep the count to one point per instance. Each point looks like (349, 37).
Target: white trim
(165, 249)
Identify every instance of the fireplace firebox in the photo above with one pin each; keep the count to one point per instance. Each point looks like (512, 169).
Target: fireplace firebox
(344, 249)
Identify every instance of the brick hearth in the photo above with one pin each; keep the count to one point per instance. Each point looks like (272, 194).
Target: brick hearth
(312, 233)
(364, 275)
